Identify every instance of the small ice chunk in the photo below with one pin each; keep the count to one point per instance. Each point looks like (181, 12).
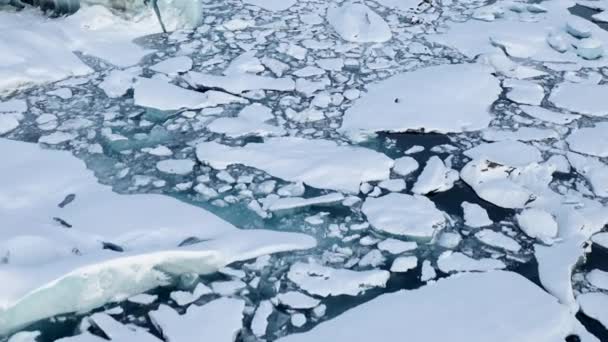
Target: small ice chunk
(598, 278)
(355, 22)
(56, 138)
(601, 239)
(524, 92)
(373, 258)
(160, 151)
(118, 82)
(428, 271)
(435, 177)
(327, 281)
(578, 27)
(393, 185)
(227, 287)
(259, 323)
(499, 240)
(395, 246)
(143, 299)
(590, 48)
(405, 165)
(219, 321)
(290, 203)
(508, 153)
(8, 123)
(272, 5)
(558, 42)
(404, 215)
(449, 240)
(298, 320)
(173, 66)
(175, 166)
(450, 261)
(297, 300)
(594, 304)
(538, 224)
(183, 298)
(475, 216)
(116, 331)
(590, 140)
(404, 264)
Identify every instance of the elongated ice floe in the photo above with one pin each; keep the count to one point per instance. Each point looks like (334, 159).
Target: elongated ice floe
(404, 107)
(468, 307)
(61, 222)
(319, 163)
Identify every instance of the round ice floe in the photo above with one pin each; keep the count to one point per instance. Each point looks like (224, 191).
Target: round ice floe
(583, 98)
(405, 165)
(404, 215)
(538, 224)
(590, 140)
(355, 22)
(175, 166)
(590, 48)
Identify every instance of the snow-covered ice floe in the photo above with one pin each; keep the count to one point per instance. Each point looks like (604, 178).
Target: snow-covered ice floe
(468, 307)
(71, 244)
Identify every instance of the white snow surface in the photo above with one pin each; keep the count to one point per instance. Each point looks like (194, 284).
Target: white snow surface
(582, 98)
(318, 163)
(355, 22)
(590, 140)
(439, 108)
(54, 280)
(468, 307)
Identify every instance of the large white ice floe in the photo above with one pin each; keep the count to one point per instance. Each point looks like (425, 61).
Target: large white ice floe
(582, 98)
(355, 22)
(398, 105)
(319, 163)
(59, 222)
(509, 153)
(470, 307)
(326, 281)
(404, 215)
(590, 140)
(251, 120)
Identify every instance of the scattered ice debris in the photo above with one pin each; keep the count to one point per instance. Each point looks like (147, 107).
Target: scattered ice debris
(183, 298)
(435, 177)
(405, 166)
(355, 22)
(251, 120)
(450, 261)
(259, 323)
(219, 320)
(590, 140)
(594, 304)
(498, 240)
(598, 278)
(393, 185)
(524, 92)
(327, 281)
(582, 98)
(395, 246)
(475, 216)
(313, 162)
(175, 166)
(173, 66)
(468, 305)
(538, 224)
(161, 95)
(404, 264)
(297, 300)
(402, 102)
(404, 215)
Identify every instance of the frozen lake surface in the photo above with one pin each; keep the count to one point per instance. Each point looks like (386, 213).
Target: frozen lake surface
(305, 171)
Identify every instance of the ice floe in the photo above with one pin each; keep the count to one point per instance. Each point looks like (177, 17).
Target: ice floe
(355, 22)
(435, 177)
(582, 98)
(590, 140)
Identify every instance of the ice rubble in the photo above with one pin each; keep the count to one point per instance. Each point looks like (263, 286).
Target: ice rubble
(303, 160)
(468, 307)
(55, 256)
(404, 107)
(251, 120)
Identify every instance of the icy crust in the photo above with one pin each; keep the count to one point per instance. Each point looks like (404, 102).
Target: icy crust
(398, 105)
(467, 305)
(52, 268)
(314, 162)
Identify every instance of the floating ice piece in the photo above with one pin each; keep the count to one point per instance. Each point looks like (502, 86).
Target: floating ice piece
(148, 228)
(393, 185)
(508, 153)
(219, 320)
(8, 123)
(250, 121)
(538, 224)
(272, 5)
(449, 240)
(593, 169)
(259, 323)
(290, 203)
(185, 297)
(228, 287)
(173, 66)
(590, 140)
(405, 166)
(326, 281)
(159, 94)
(373, 258)
(143, 299)
(297, 300)
(499, 240)
(404, 215)
(594, 304)
(175, 166)
(578, 27)
(395, 246)
(116, 331)
(357, 23)
(118, 82)
(598, 278)
(583, 98)
(319, 163)
(475, 216)
(590, 48)
(405, 108)
(509, 68)
(601, 239)
(549, 115)
(403, 5)
(450, 261)
(521, 134)
(524, 92)
(56, 138)
(558, 42)
(238, 83)
(467, 305)
(404, 264)
(435, 177)
(25, 336)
